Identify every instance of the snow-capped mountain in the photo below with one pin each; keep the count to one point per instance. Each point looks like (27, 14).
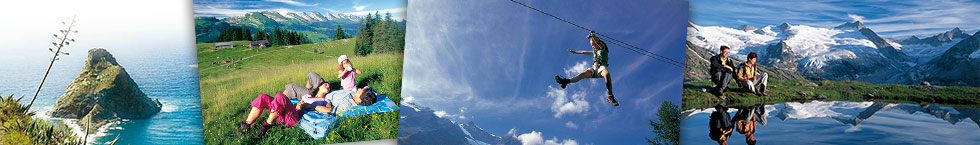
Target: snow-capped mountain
(315, 25)
(850, 51)
(303, 17)
(419, 125)
(957, 65)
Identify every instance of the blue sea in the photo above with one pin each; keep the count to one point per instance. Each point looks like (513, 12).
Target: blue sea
(167, 75)
(843, 122)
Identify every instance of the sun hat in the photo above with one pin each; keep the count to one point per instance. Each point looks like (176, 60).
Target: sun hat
(341, 58)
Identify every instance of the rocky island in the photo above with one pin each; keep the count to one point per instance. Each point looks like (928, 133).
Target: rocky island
(103, 92)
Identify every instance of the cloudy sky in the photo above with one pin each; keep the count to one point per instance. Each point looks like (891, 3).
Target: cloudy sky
(897, 19)
(225, 8)
(494, 62)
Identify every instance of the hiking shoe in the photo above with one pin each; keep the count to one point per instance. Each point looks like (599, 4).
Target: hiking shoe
(242, 127)
(562, 81)
(262, 129)
(612, 100)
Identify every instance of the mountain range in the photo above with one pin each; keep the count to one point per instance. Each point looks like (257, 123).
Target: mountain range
(420, 126)
(318, 27)
(850, 51)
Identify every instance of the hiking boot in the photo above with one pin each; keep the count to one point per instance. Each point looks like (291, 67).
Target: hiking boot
(612, 100)
(242, 128)
(562, 81)
(262, 129)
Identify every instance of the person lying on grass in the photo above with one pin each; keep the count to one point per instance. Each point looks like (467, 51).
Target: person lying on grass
(282, 110)
(346, 72)
(748, 76)
(600, 60)
(313, 81)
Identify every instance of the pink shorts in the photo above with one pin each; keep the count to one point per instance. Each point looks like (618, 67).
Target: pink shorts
(281, 104)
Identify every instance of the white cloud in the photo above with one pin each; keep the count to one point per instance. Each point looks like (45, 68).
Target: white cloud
(571, 125)
(292, 2)
(360, 7)
(534, 138)
(565, 104)
(855, 17)
(577, 68)
(396, 13)
(741, 21)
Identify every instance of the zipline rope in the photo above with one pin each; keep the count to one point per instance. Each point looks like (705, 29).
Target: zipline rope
(615, 41)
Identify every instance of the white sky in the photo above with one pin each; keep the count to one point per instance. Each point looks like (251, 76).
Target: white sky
(113, 24)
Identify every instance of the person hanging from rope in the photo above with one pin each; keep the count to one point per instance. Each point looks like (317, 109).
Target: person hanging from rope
(600, 61)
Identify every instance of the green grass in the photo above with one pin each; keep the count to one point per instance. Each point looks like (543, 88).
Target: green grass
(780, 91)
(227, 91)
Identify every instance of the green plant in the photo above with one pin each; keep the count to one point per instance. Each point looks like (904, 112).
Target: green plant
(667, 128)
(62, 41)
(697, 93)
(18, 126)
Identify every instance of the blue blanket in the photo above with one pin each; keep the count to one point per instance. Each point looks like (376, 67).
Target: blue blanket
(318, 124)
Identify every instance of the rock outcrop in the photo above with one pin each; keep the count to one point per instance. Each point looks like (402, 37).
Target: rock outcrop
(956, 66)
(781, 56)
(103, 92)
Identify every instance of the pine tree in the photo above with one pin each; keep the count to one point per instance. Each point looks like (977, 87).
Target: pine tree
(364, 41)
(260, 35)
(340, 34)
(668, 127)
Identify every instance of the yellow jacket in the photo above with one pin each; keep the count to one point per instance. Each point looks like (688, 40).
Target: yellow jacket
(746, 72)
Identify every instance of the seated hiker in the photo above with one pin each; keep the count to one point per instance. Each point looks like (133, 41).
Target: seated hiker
(346, 72)
(720, 125)
(313, 81)
(745, 122)
(280, 108)
(721, 70)
(600, 61)
(748, 76)
(343, 100)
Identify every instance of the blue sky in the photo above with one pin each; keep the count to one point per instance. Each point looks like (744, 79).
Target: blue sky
(494, 62)
(225, 8)
(890, 18)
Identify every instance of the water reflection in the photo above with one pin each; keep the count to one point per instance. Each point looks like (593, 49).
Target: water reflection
(834, 122)
(745, 122)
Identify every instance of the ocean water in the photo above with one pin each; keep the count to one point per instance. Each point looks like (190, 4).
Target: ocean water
(842, 122)
(167, 75)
